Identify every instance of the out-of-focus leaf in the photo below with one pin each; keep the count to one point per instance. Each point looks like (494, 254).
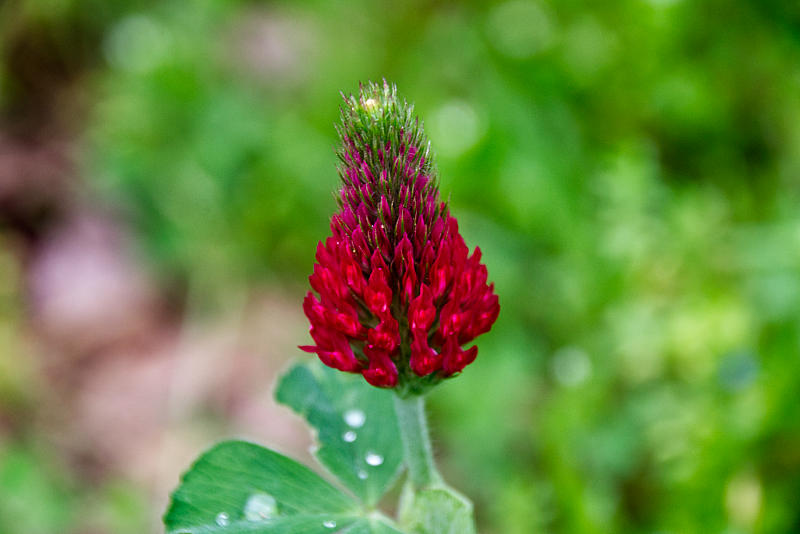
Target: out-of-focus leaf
(436, 511)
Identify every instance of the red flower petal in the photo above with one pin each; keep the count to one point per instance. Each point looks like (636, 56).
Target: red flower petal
(421, 311)
(386, 335)
(382, 372)
(454, 358)
(424, 360)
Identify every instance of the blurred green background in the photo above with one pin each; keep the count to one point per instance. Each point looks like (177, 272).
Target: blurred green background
(630, 169)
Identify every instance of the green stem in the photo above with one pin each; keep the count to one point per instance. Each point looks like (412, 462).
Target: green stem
(416, 442)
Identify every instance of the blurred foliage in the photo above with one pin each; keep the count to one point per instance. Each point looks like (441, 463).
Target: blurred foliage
(630, 169)
(38, 497)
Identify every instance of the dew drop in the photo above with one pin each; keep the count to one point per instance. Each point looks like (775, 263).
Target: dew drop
(260, 507)
(373, 459)
(355, 418)
(349, 436)
(362, 474)
(330, 523)
(223, 519)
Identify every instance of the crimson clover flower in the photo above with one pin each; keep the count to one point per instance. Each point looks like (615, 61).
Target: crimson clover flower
(399, 294)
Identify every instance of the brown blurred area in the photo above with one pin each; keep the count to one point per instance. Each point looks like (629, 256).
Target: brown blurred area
(120, 378)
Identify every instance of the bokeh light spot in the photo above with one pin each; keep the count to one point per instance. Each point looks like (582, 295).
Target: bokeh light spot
(520, 29)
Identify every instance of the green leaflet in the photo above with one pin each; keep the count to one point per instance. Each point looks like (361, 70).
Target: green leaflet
(218, 487)
(359, 440)
(239, 487)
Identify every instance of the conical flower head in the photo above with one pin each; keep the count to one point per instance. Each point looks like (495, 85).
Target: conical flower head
(397, 293)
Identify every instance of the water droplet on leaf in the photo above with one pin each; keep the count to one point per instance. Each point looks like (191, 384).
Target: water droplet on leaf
(355, 418)
(349, 436)
(260, 507)
(223, 519)
(373, 459)
(362, 474)
(330, 523)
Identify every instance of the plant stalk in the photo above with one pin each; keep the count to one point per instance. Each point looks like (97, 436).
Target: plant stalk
(416, 441)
